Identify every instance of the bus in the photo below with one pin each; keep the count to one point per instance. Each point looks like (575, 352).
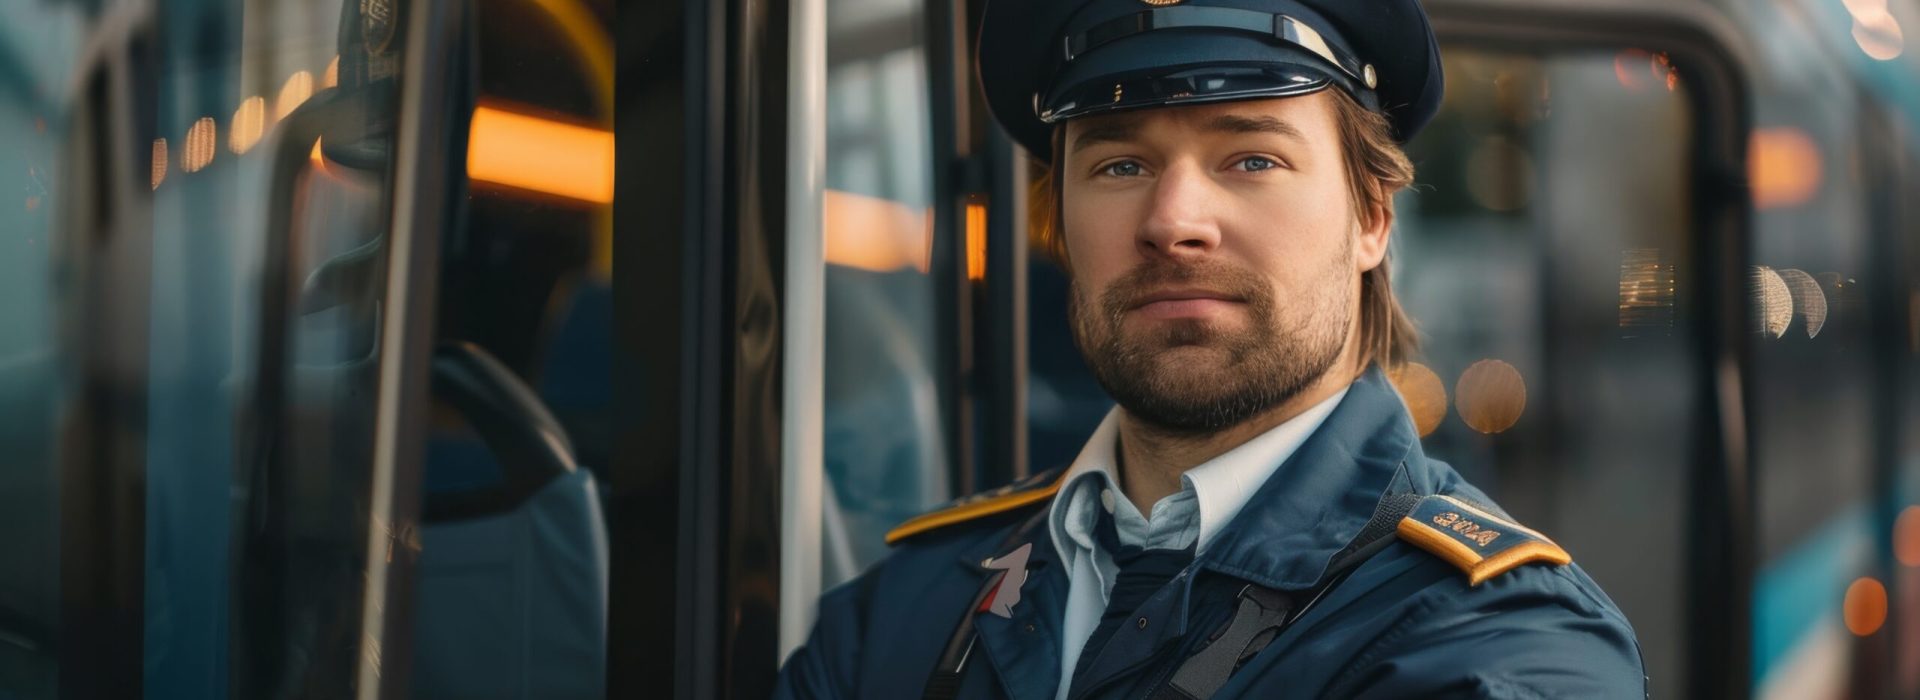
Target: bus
(572, 348)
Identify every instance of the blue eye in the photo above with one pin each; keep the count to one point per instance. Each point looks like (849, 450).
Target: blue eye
(1125, 168)
(1257, 163)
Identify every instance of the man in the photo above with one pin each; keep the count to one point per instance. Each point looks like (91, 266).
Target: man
(1256, 517)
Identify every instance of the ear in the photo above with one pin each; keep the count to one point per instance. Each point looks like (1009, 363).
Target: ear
(1372, 233)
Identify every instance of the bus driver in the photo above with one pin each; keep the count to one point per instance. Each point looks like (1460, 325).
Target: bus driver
(1256, 517)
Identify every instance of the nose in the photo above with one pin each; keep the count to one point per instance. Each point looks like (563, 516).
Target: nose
(1180, 222)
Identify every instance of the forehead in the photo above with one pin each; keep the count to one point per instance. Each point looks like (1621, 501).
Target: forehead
(1305, 118)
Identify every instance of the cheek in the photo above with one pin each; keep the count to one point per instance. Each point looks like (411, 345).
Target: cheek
(1303, 206)
(1294, 233)
(1099, 235)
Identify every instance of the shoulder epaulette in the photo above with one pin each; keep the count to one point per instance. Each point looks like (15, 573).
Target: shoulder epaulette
(1480, 543)
(1033, 489)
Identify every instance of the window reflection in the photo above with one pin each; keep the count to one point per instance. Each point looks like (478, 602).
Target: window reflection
(1545, 256)
(38, 39)
(884, 456)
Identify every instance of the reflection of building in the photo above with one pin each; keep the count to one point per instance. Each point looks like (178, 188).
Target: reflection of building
(1646, 293)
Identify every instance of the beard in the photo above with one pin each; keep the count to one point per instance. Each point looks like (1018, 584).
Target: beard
(1195, 376)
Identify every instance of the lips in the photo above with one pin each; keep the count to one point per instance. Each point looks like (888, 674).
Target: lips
(1184, 295)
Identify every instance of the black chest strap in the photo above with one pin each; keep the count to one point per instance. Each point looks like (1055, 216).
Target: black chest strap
(1263, 613)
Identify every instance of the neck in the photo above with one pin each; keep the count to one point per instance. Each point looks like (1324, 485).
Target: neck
(1152, 459)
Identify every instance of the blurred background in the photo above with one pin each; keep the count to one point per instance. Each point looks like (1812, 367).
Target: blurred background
(317, 378)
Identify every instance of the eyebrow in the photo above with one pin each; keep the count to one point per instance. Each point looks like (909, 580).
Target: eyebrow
(1122, 130)
(1236, 124)
(1107, 131)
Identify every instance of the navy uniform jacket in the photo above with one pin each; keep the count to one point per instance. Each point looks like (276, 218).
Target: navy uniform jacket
(1460, 602)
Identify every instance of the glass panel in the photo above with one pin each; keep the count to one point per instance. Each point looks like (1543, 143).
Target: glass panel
(197, 361)
(1549, 240)
(1836, 609)
(885, 458)
(37, 45)
(511, 588)
(271, 183)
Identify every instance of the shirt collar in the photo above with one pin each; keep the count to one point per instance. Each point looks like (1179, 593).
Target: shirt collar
(1320, 498)
(1092, 469)
(1222, 485)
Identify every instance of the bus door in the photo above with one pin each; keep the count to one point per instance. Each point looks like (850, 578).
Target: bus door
(230, 489)
(304, 360)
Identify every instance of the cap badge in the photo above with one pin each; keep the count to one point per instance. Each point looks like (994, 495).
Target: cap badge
(1162, 3)
(1372, 78)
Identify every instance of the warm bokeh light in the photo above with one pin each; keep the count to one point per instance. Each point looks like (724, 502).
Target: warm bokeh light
(1770, 300)
(1906, 536)
(1783, 167)
(297, 89)
(331, 77)
(1499, 174)
(1490, 396)
(1860, 7)
(876, 234)
(1664, 73)
(1646, 292)
(159, 162)
(976, 241)
(1865, 609)
(1627, 68)
(1878, 34)
(1424, 394)
(198, 151)
(318, 157)
(1809, 303)
(249, 121)
(542, 155)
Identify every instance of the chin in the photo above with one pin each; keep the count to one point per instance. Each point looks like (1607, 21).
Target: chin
(1185, 364)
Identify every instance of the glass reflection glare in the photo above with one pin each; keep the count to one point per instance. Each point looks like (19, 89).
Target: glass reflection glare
(1878, 34)
(297, 89)
(249, 121)
(198, 152)
(1771, 301)
(1809, 303)
(1646, 292)
(159, 162)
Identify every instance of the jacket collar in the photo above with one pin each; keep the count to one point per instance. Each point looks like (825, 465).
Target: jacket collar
(1319, 499)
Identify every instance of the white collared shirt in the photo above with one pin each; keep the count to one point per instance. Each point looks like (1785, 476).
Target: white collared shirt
(1210, 495)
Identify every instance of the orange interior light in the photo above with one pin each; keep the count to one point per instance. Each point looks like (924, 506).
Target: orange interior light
(875, 234)
(543, 155)
(976, 241)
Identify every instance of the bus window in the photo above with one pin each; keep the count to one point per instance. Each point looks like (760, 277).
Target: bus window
(1830, 307)
(1546, 255)
(38, 40)
(512, 582)
(885, 459)
(272, 181)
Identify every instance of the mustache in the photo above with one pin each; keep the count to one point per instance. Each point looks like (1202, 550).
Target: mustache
(1134, 288)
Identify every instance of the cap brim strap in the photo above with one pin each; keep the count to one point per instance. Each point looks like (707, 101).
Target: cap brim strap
(1279, 27)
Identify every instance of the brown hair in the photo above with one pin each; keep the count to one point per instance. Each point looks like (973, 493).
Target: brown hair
(1376, 168)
